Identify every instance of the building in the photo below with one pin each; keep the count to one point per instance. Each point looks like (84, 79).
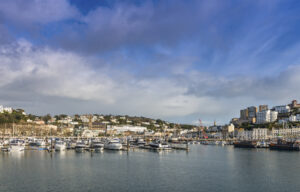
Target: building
(282, 108)
(244, 114)
(292, 132)
(127, 128)
(98, 126)
(7, 109)
(266, 116)
(252, 112)
(293, 118)
(294, 105)
(260, 133)
(255, 134)
(228, 130)
(263, 108)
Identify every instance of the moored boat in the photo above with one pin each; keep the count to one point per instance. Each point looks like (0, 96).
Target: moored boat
(245, 144)
(80, 146)
(60, 146)
(284, 145)
(17, 145)
(97, 145)
(113, 144)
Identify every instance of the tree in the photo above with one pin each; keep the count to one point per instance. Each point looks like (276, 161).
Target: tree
(46, 118)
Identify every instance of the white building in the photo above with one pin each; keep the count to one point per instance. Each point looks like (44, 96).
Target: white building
(66, 120)
(124, 128)
(7, 109)
(266, 116)
(255, 134)
(293, 118)
(230, 128)
(244, 135)
(92, 133)
(84, 119)
(286, 132)
(282, 109)
(260, 133)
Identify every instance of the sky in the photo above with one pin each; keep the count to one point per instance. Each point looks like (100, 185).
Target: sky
(172, 59)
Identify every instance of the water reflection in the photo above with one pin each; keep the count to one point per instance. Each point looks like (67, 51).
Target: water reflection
(209, 168)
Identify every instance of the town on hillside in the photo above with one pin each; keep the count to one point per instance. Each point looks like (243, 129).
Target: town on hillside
(254, 123)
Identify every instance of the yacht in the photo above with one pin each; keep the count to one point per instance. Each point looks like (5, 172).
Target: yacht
(113, 144)
(97, 145)
(262, 144)
(80, 146)
(38, 143)
(60, 146)
(141, 142)
(224, 143)
(17, 145)
(159, 145)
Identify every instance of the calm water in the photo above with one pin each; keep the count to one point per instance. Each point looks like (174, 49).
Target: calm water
(204, 168)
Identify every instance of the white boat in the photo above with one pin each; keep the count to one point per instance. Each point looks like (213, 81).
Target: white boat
(262, 144)
(38, 143)
(80, 146)
(97, 145)
(16, 145)
(113, 144)
(159, 145)
(60, 146)
(141, 142)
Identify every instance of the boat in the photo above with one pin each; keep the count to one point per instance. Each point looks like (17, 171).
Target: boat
(113, 144)
(158, 145)
(37, 143)
(16, 145)
(284, 145)
(262, 144)
(245, 144)
(223, 143)
(80, 146)
(97, 145)
(140, 142)
(60, 146)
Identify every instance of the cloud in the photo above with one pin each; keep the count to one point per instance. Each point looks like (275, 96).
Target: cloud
(28, 73)
(167, 59)
(37, 11)
(56, 80)
(137, 25)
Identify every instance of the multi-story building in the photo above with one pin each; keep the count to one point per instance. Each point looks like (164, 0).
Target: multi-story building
(126, 128)
(244, 114)
(263, 108)
(293, 118)
(252, 112)
(266, 116)
(255, 134)
(282, 108)
(291, 132)
(260, 133)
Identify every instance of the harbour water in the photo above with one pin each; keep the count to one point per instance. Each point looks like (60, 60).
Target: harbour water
(203, 168)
